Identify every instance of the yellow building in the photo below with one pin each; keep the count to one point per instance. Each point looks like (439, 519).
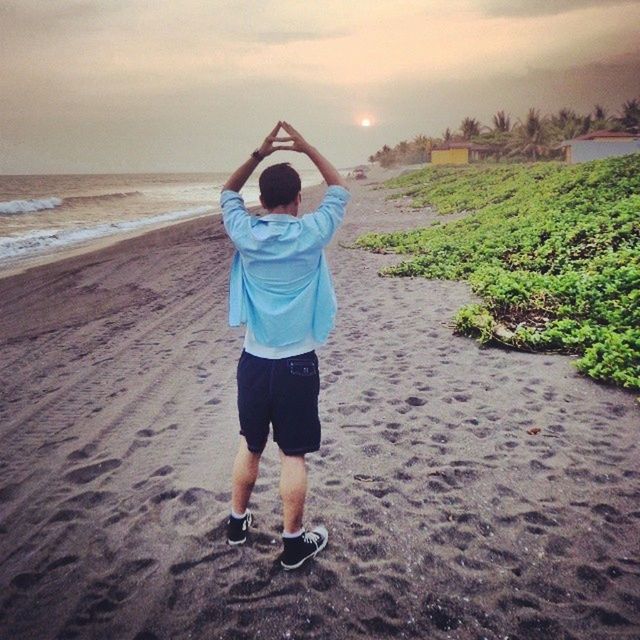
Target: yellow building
(460, 153)
(450, 156)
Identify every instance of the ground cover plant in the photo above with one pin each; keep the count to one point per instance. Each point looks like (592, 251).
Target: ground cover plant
(553, 250)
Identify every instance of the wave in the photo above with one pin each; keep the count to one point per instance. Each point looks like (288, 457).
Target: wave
(41, 240)
(16, 207)
(74, 200)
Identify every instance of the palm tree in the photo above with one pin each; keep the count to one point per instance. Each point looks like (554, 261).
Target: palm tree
(599, 118)
(563, 117)
(531, 137)
(630, 119)
(422, 148)
(501, 122)
(469, 128)
(567, 124)
(576, 127)
(384, 156)
(422, 142)
(599, 112)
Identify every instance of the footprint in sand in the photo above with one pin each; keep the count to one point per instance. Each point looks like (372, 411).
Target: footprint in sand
(25, 581)
(390, 436)
(162, 471)
(65, 561)
(164, 496)
(592, 579)
(100, 603)
(89, 499)
(84, 453)
(65, 515)
(370, 450)
(146, 635)
(9, 492)
(83, 475)
(609, 513)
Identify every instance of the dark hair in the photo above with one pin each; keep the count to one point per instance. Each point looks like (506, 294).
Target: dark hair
(279, 185)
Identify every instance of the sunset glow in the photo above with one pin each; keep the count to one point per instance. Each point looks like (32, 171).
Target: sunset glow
(94, 86)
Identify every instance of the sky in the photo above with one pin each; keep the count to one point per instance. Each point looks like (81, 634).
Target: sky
(115, 86)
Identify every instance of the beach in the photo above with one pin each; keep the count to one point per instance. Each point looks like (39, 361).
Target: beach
(468, 492)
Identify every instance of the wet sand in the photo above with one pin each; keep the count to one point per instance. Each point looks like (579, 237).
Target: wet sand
(469, 493)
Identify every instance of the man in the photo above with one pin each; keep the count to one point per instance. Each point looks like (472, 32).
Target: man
(281, 289)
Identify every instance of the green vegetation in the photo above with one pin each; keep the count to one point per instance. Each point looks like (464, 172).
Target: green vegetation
(553, 250)
(533, 137)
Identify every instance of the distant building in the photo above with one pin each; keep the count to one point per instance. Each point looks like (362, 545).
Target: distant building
(600, 144)
(459, 153)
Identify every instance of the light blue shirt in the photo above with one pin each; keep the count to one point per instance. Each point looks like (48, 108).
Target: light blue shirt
(280, 286)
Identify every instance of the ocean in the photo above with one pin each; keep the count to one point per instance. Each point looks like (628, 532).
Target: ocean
(42, 214)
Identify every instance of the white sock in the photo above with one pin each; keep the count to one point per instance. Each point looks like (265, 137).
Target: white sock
(238, 516)
(295, 534)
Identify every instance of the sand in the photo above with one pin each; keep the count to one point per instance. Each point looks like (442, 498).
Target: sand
(450, 515)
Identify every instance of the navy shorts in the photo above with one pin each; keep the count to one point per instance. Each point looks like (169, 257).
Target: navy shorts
(283, 393)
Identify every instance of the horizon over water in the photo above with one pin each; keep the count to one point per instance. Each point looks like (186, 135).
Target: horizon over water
(44, 213)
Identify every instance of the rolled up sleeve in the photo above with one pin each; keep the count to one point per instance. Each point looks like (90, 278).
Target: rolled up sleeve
(329, 215)
(234, 214)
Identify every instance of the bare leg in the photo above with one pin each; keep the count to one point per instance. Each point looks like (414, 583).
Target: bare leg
(293, 490)
(245, 474)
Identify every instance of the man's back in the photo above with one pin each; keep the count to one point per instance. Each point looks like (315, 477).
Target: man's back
(280, 285)
(278, 236)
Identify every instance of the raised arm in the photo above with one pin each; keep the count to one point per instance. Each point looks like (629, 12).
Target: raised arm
(327, 170)
(238, 178)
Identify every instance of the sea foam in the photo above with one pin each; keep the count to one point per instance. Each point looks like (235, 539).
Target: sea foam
(41, 240)
(14, 207)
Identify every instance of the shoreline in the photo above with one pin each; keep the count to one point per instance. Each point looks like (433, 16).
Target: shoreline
(15, 266)
(18, 266)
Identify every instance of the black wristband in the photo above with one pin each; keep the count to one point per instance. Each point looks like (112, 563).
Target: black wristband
(257, 155)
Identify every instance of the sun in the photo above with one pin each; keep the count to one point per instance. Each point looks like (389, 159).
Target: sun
(365, 122)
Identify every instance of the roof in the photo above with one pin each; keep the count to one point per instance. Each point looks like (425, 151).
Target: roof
(472, 146)
(604, 133)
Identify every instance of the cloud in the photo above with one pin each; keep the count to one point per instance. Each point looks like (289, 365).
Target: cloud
(90, 85)
(578, 87)
(531, 8)
(285, 37)
(213, 128)
(37, 14)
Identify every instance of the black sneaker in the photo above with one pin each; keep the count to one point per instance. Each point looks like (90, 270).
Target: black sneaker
(298, 550)
(237, 528)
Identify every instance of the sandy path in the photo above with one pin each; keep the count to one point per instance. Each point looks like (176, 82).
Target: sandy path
(447, 519)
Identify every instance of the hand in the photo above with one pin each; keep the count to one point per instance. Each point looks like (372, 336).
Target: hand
(328, 171)
(268, 146)
(299, 143)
